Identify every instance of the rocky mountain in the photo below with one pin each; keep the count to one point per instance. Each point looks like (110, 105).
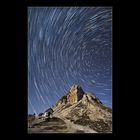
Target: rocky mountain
(84, 108)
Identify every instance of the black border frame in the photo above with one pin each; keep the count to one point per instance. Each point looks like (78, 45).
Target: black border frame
(20, 56)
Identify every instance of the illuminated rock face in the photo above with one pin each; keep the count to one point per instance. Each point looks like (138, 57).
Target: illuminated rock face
(62, 101)
(75, 94)
(84, 108)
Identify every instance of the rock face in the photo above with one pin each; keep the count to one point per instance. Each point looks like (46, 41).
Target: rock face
(74, 95)
(85, 109)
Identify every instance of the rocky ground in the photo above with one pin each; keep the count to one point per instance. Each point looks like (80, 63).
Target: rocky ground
(57, 125)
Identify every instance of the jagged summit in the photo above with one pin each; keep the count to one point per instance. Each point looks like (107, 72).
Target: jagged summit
(84, 108)
(78, 110)
(76, 87)
(75, 94)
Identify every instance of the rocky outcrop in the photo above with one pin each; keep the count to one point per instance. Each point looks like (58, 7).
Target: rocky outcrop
(85, 109)
(74, 95)
(62, 101)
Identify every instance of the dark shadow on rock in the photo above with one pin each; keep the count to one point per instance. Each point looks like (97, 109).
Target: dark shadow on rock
(100, 126)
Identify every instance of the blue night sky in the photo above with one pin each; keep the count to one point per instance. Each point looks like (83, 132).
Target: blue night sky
(66, 46)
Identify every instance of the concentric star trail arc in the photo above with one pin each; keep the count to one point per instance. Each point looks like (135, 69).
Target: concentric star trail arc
(66, 46)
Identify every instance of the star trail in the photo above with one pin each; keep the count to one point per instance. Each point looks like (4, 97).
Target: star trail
(66, 46)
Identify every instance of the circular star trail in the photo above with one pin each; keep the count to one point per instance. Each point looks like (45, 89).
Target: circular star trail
(66, 46)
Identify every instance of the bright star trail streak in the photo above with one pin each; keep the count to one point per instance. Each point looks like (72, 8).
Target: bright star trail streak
(66, 46)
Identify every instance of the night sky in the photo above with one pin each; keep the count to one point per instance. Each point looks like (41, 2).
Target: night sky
(66, 46)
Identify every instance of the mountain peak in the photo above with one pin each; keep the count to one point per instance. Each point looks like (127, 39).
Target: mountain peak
(84, 108)
(75, 94)
(76, 88)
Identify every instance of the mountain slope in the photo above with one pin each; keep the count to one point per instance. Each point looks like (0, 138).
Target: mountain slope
(85, 109)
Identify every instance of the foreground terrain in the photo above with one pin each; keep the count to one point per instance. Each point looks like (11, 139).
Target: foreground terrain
(57, 125)
(76, 112)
